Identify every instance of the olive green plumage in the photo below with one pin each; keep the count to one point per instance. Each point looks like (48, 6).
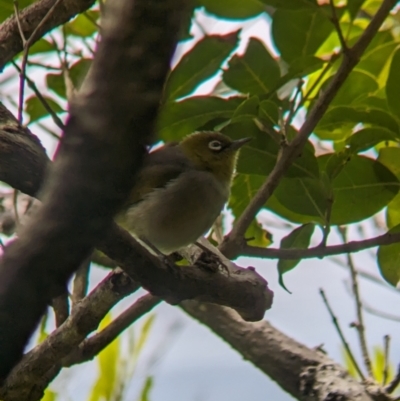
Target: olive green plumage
(181, 190)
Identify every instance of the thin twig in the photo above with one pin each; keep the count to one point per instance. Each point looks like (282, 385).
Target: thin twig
(317, 251)
(90, 347)
(21, 31)
(341, 335)
(234, 241)
(394, 383)
(379, 313)
(61, 308)
(336, 23)
(81, 282)
(360, 327)
(293, 109)
(41, 98)
(386, 346)
(15, 206)
(26, 45)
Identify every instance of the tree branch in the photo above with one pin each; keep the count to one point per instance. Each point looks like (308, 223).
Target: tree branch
(31, 376)
(90, 347)
(320, 252)
(30, 18)
(304, 373)
(234, 242)
(94, 171)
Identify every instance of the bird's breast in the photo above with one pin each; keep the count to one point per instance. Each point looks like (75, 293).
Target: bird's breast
(177, 215)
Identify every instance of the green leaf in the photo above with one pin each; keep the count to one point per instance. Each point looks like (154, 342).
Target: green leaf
(389, 260)
(300, 32)
(56, 83)
(354, 6)
(393, 212)
(77, 73)
(201, 62)
(36, 110)
(393, 84)
(369, 137)
(243, 190)
(49, 395)
(108, 363)
(357, 85)
(148, 385)
(339, 117)
(303, 196)
(233, 9)
(299, 238)
(41, 46)
(390, 156)
(144, 335)
(178, 119)
(256, 72)
(269, 112)
(246, 111)
(7, 8)
(82, 25)
(362, 188)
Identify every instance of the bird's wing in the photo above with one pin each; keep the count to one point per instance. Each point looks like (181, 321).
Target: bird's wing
(160, 167)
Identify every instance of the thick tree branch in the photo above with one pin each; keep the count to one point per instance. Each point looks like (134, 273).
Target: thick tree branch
(90, 347)
(306, 374)
(233, 243)
(94, 170)
(30, 18)
(38, 367)
(175, 283)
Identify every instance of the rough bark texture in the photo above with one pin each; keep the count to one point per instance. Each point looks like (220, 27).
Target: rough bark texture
(307, 374)
(23, 158)
(102, 148)
(30, 17)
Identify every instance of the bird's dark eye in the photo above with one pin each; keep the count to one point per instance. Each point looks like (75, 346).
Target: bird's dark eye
(215, 145)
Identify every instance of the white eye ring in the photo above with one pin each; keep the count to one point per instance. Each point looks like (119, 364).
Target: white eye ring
(215, 145)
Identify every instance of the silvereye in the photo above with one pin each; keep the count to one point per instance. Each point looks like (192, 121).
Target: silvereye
(181, 190)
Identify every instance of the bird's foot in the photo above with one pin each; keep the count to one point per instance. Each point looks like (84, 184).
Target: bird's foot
(210, 262)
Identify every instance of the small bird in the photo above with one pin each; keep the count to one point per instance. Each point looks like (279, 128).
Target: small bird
(181, 190)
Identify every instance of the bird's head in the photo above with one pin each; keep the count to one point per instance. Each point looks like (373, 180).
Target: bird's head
(214, 152)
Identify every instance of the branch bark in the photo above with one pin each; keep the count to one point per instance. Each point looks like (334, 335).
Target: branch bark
(28, 380)
(30, 17)
(94, 170)
(306, 374)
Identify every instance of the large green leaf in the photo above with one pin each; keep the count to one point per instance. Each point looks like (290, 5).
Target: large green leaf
(336, 118)
(34, 107)
(389, 260)
(369, 137)
(243, 190)
(199, 63)
(178, 119)
(256, 72)
(300, 32)
(303, 196)
(84, 24)
(233, 9)
(362, 188)
(393, 84)
(299, 238)
(358, 85)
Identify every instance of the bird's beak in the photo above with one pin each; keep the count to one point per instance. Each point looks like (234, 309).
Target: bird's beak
(239, 143)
